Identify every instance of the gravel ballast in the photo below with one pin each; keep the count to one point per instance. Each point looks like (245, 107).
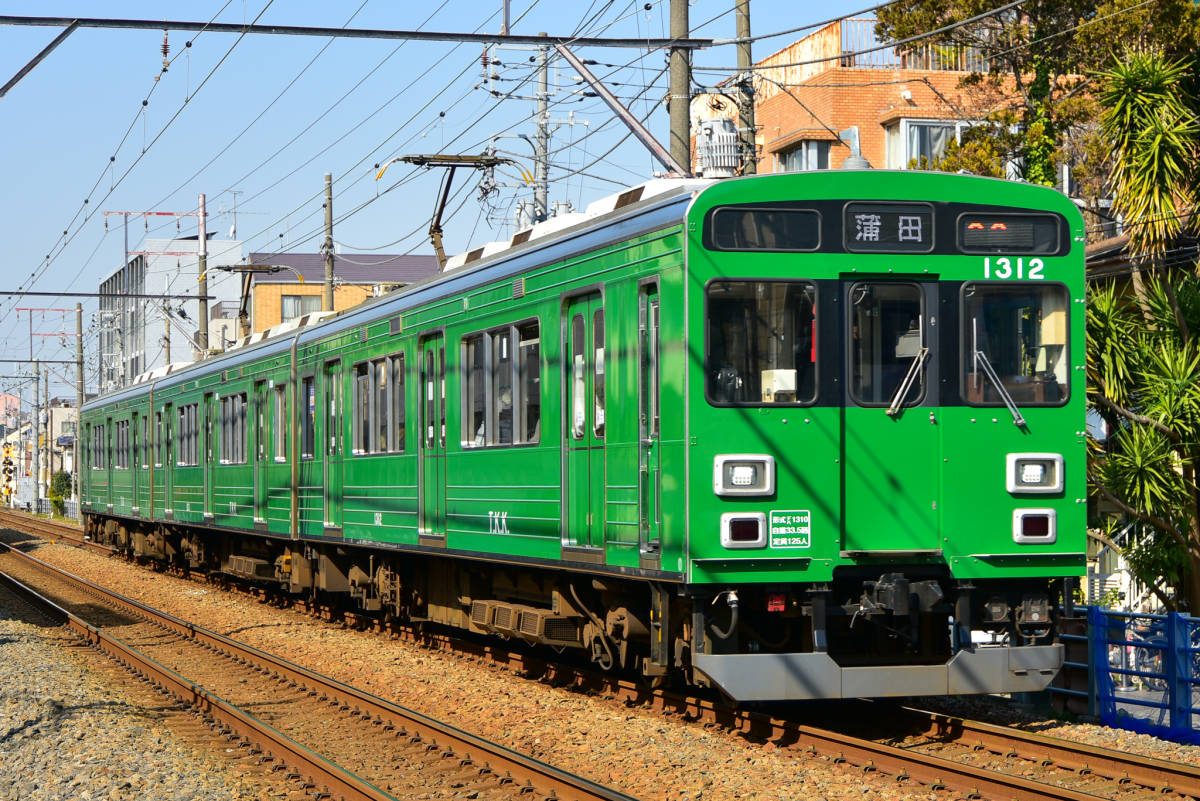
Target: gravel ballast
(68, 731)
(641, 752)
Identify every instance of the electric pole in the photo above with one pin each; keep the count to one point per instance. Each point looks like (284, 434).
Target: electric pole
(202, 290)
(80, 396)
(541, 148)
(49, 430)
(34, 428)
(746, 141)
(681, 79)
(327, 297)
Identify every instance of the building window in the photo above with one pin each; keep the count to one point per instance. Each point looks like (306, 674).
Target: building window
(502, 386)
(292, 306)
(809, 155)
(920, 141)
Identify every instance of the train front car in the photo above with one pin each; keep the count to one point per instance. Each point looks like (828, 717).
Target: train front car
(886, 426)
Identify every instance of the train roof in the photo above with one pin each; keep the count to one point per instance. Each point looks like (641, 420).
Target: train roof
(646, 207)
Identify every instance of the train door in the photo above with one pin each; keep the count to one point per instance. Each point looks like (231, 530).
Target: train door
(649, 477)
(584, 405)
(432, 479)
(333, 437)
(261, 399)
(108, 465)
(167, 446)
(209, 423)
(133, 464)
(891, 444)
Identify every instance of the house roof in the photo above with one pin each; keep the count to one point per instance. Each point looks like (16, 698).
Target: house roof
(357, 268)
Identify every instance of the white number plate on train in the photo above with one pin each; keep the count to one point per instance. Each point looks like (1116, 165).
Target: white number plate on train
(1018, 268)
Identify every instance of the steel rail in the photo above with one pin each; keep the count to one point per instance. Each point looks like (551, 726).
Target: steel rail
(544, 779)
(1157, 774)
(279, 746)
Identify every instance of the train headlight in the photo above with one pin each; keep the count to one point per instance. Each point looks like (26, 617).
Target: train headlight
(1035, 526)
(1034, 473)
(744, 474)
(744, 530)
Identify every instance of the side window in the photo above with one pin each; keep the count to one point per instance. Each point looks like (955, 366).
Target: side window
(382, 409)
(598, 373)
(362, 409)
(502, 386)
(529, 380)
(145, 449)
(474, 389)
(308, 400)
(233, 429)
(397, 368)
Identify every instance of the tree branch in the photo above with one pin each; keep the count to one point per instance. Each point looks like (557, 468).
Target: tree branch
(1170, 433)
(1153, 520)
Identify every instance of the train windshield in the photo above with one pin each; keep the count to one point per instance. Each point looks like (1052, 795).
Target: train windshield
(1019, 332)
(761, 342)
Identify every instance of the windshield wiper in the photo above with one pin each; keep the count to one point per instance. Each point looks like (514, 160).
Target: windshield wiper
(905, 385)
(982, 360)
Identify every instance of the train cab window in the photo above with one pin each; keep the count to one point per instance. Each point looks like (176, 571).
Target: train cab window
(308, 400)
(887, 343)
(761, 343)
(1015, 343)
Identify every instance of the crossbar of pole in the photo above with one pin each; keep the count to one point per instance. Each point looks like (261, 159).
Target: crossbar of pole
(351, 33)
(631, 122)
(103, 295)
(41, 361)
(33, 62)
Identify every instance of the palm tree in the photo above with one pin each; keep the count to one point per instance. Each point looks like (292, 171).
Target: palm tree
(1143, 365)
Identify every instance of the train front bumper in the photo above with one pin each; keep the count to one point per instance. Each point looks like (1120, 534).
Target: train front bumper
(806, 676)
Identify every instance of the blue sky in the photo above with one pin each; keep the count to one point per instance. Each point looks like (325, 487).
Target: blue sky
(360, 103)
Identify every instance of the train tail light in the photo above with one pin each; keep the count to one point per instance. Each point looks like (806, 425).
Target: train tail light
(744, 530)
(1035, 526)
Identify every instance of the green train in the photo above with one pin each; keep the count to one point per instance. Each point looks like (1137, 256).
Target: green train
(806, 435)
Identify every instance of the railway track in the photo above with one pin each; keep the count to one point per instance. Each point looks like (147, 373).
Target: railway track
(967, 757)
(336, 740)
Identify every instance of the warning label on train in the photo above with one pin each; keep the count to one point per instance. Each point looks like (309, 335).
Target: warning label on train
(791, 528)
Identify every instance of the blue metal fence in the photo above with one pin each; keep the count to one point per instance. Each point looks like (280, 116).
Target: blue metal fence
(1145, 672)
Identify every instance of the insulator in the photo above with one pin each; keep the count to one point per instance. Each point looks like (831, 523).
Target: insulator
(166, 48)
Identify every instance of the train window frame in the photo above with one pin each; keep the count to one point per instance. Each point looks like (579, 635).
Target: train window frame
(709, 240)
(523, 370)
(910, 400)
(232, 417)
(376, 411)
(397, 384)
(815, 347)
(187, 454)
(965, 338)
(1062, 243)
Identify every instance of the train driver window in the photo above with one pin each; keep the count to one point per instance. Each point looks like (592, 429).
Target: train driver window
(1015, 342)
(761, 339)
(886, 343)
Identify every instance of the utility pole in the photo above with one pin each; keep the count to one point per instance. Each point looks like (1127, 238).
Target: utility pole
(681, 79)
(746, 142)
(80, 396)
(34, 428)
(327, 297)
(202, 290)
(49, 430)
(541, 147)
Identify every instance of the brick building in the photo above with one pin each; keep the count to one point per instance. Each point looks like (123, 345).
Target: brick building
(280, 296)
(905, 103)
